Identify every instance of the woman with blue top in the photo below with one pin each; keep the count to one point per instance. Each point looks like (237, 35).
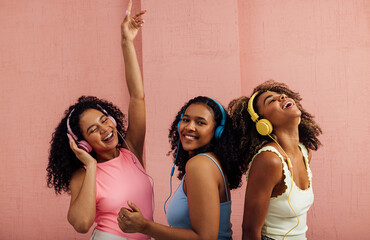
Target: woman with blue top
(275, 136)
(206, 154)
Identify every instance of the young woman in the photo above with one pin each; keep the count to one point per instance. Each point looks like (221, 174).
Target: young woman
(275, 133)
(209, 167)
(96, 160)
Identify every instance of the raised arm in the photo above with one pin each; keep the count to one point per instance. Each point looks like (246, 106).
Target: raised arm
(265, 173)
(136, 112)
(203, 180)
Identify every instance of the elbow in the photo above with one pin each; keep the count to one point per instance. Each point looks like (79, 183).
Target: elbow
(82, 225)
(137, 96)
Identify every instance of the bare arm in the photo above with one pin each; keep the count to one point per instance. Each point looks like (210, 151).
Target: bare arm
(265, 173)
(82, 208)
(136, 112)
(202, 185)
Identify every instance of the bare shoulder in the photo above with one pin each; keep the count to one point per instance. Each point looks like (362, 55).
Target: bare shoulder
(201, 164)
(267, 163)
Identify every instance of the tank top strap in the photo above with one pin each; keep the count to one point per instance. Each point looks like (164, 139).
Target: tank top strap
(227, 195)
(274, 150)
(305, 156)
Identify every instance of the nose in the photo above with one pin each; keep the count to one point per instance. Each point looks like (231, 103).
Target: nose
(190, 126)
(103, 128)
(283, 96)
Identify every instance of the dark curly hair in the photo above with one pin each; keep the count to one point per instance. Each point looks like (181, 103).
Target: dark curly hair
(224, 148)
(249, 139)
(62, 161)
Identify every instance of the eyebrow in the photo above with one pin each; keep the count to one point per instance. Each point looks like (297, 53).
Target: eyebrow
(196, 117)
(87, 130)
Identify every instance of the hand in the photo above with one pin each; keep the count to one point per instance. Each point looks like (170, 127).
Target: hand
(131, 24)
(81, 154)
(131, 220)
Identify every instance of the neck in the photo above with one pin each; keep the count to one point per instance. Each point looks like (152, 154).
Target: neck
(288, 139)
(106, 156)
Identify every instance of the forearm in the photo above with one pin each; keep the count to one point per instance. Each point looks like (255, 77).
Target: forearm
(162, 232)
(132, 70)
(82, 209)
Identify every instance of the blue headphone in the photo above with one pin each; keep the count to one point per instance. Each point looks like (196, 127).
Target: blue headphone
(220, 129)
(218, 133)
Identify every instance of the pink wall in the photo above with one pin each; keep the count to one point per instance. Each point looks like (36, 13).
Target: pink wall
(54, 51)
(321, 49)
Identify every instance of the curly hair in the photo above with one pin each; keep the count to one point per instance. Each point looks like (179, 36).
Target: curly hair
(249, 139)
(224, 148)
(62, 161)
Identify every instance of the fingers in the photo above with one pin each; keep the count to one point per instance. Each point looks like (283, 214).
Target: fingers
(133, 206)
(140, 13)
(72, 143)
(128, 10)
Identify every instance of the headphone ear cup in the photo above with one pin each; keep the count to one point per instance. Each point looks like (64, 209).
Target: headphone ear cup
(218, 132)
(84, 145)
(264, 127)
(112, 119)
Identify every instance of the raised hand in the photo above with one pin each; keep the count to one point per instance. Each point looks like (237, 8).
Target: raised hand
(81, 154)
(131, 24)
(131, 220)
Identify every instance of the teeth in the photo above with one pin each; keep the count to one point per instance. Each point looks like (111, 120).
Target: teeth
(109, 135)
(288, 104)
(189, 137)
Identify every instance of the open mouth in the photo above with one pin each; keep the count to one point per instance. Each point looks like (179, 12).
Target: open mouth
(288, 104)
(108, 137)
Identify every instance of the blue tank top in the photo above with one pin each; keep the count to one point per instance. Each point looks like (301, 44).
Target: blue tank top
(178, 210)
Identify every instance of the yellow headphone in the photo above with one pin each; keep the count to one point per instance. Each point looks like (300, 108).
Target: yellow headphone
(264, 128)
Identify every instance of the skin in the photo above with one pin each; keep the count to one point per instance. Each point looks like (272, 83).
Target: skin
(203, 185)
(260, 188)
(95, 127)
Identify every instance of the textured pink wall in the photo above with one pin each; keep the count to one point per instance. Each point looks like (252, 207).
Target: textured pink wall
(321, 49)
(54, 51)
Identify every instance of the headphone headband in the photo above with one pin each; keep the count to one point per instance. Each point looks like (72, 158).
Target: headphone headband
(254, 115)
(223, 112)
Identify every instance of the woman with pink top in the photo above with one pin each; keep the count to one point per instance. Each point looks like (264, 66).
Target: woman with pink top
(97, 160)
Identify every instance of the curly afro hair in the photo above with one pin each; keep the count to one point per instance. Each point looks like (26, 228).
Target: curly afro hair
(224, 148)
(62, 161)
(249, 139)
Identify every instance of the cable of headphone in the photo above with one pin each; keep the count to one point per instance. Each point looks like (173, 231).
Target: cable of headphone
(133, 159)
(291, 185)
(165, 203)
(171, 174)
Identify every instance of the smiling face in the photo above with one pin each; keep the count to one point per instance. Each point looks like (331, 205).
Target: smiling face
(98, 131)
(277, 108)
(197, 127)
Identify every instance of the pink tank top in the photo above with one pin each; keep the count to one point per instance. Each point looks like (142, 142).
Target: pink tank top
(117, 181)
